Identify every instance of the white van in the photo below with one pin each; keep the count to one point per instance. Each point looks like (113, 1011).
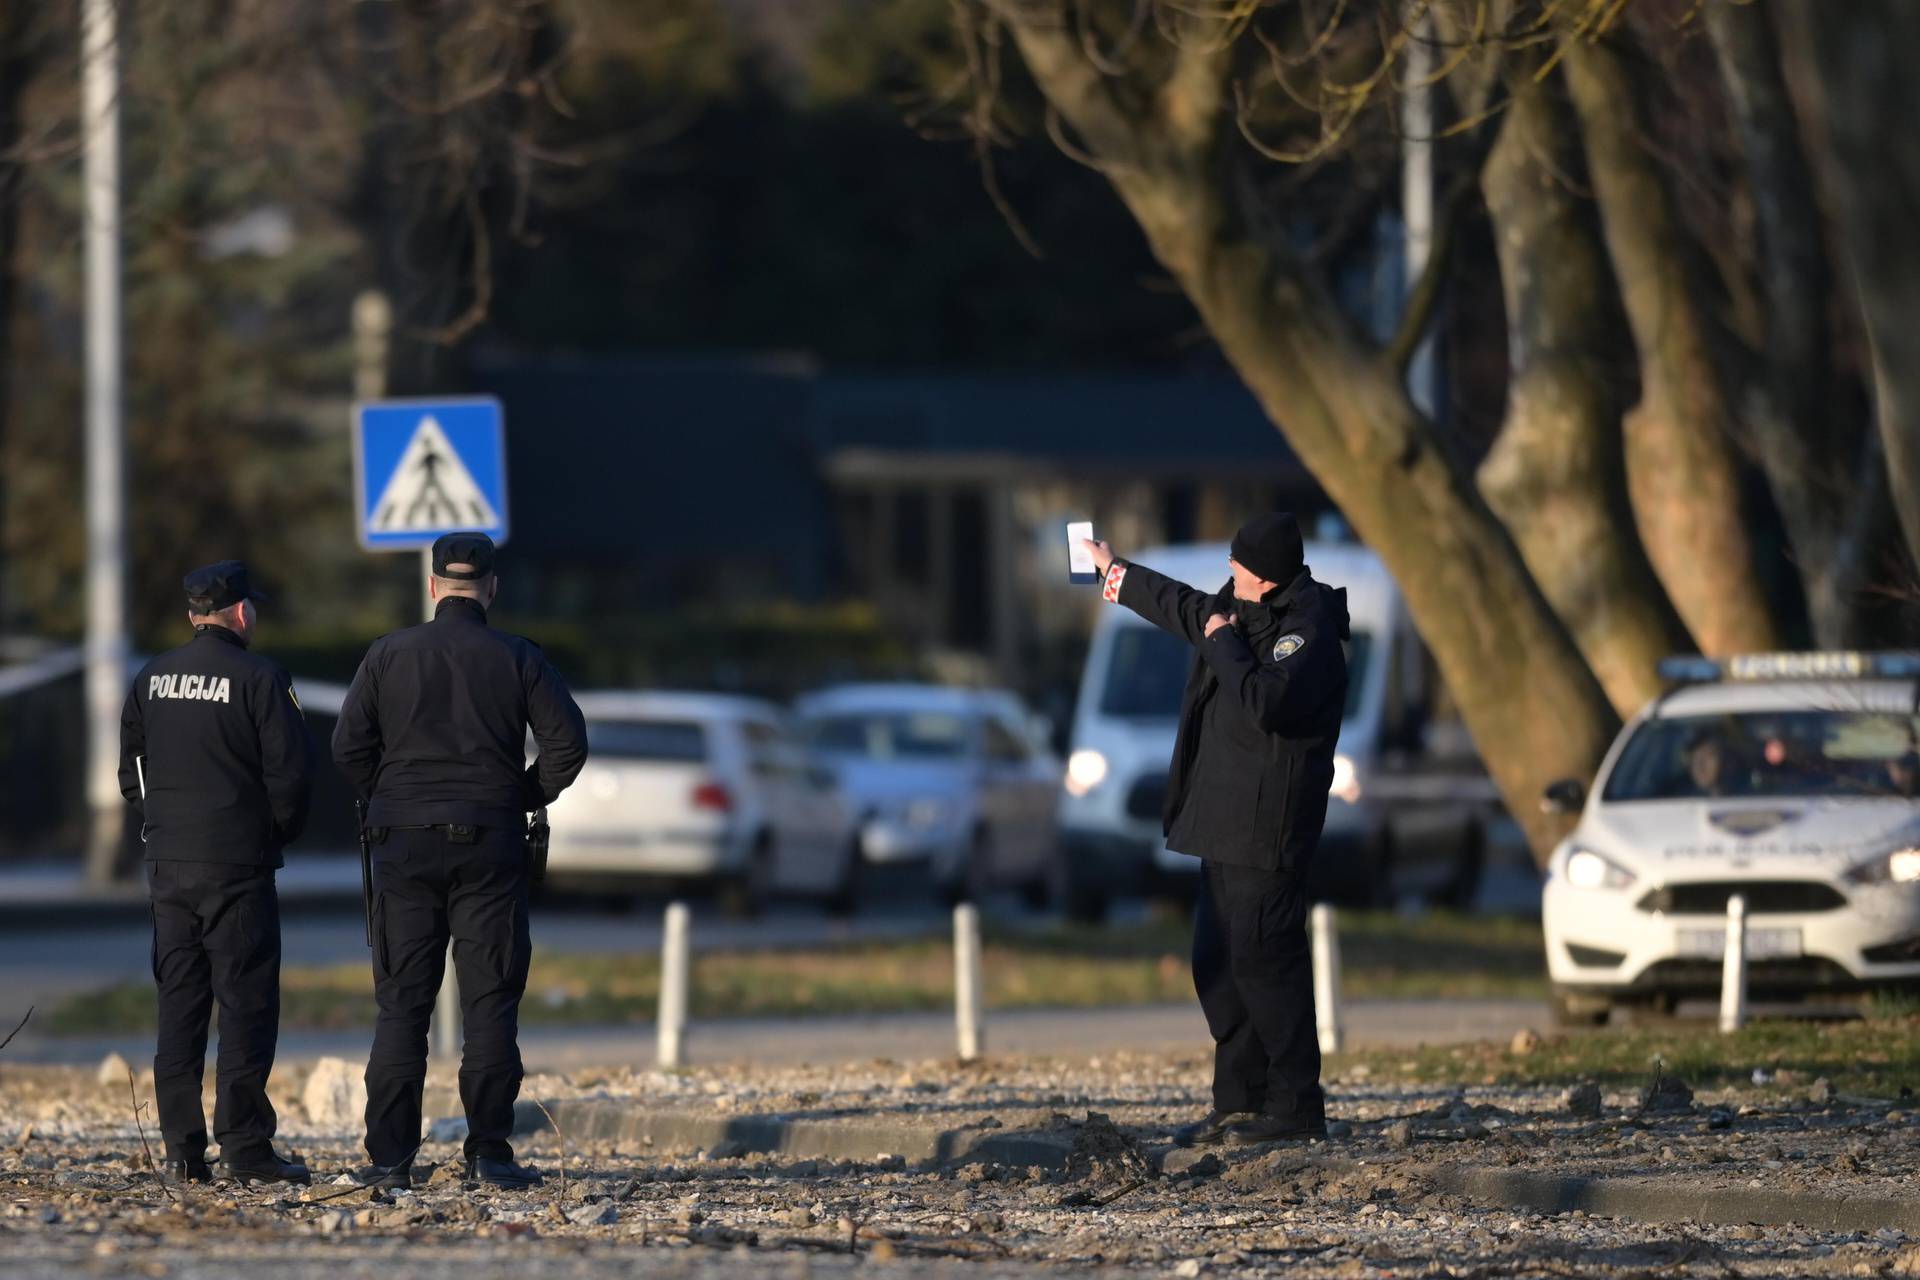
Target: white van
(1129, 709)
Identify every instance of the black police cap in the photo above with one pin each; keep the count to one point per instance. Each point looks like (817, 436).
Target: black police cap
(220, 585)
(474, 550)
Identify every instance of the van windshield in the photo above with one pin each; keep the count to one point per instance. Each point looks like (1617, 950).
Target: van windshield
(1147, 673)
(1786, 754)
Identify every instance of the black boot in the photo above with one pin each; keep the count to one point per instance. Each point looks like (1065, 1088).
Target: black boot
(1212, 1130)
(1310, 1127)
(266, 1167)
(186, 1171)
(398, 1177)
(503, 1173)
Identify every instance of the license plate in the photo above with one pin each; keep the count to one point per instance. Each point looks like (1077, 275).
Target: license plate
(1762, 944)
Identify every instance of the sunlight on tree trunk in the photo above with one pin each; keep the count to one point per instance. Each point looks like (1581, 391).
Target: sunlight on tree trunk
(1554, 474)
(1681, 470)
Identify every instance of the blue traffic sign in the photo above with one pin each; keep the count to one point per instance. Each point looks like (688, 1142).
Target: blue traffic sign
(422, 468)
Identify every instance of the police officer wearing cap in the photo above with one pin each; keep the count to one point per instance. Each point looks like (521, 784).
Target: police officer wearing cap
(433, 735)
(215, 758)
(1247, 795)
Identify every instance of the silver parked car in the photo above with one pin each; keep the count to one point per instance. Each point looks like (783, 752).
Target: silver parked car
(958, 780)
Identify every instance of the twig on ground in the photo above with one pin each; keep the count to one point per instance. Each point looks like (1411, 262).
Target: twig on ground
(562, 1193)
(16, 1031)
(133, 1096)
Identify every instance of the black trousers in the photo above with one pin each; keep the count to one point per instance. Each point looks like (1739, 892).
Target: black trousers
(1254, 973)
(216, 937)
(428, 890)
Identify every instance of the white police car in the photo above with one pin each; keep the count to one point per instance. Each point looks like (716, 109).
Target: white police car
(1788, 778)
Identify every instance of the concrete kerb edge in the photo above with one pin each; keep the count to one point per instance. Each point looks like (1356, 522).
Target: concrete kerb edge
(852, 1138)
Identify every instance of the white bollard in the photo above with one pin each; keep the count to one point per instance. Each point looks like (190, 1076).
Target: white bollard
(446, 1014)
(967, 981)
(671, 1032)
(1733, 971)
(1326, 977)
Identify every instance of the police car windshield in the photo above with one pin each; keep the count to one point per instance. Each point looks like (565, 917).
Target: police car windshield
(1788, 754)
(1147, 672)
(675, 741)
(919, 735)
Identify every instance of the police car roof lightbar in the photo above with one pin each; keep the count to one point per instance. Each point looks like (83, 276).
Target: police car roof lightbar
(1834, 665)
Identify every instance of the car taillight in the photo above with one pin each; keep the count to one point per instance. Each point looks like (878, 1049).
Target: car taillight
(711, 795)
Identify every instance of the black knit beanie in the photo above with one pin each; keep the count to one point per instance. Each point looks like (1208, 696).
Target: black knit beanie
(1270, 546)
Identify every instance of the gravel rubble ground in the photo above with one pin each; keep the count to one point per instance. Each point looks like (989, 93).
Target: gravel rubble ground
(76, 1200)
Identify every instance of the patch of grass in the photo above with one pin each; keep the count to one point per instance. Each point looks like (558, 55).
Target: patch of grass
(1876, 1056)
(1060, 967)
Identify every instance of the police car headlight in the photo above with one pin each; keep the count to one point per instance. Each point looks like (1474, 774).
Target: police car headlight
(1346, 780)
(1588, 870)
(1902, 866)
(1086, 769)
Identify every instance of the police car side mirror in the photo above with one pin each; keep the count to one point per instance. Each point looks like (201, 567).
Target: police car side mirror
(1564, 796)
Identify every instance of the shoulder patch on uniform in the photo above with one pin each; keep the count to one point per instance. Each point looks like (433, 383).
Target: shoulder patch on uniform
(296, 700)
(1288, 645)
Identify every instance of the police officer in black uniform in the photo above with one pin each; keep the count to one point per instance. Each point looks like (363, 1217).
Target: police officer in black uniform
(1247, 794)
(433, 733)
(214, 756)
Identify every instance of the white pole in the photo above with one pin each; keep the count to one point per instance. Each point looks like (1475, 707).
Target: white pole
(446, 1014)
(447, 1028)
(106, 478)
(1326, 977)
(1416, 189)
(672, 1030)
(967, 981)
(1733, 971)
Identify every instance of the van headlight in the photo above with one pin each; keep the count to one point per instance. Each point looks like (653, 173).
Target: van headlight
(1902, 866)
(1346, 780)
(1086, 769)
(1588, 870)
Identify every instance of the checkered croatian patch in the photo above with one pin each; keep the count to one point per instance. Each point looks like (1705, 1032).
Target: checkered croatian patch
(1286, 646)
(1111, 591)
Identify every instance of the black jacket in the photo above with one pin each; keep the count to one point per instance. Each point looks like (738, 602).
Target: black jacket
(219, 737)
(434, 727)
(1258, 722)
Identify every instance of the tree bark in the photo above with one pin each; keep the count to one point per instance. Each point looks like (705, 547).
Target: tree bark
(1532, 705)
(16, 65)
(1806, 442)
(1682, 474)
(1555, 474)
(1860, 94)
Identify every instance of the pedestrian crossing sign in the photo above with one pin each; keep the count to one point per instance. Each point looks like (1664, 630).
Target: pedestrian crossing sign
(422, 468)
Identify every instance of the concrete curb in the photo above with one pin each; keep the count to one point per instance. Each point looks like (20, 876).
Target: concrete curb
(806, 1137)
(1674, 1201)
(866, 1138)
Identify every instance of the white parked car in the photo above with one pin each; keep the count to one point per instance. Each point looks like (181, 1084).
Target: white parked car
(960, 780)
(710, 789)
(1789, 779)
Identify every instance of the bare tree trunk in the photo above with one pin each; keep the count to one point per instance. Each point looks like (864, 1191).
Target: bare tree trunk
(1682, 474)
(1860, 95)
(1555, 473)
(1807, 443)
(1529, 699)
(15, 67)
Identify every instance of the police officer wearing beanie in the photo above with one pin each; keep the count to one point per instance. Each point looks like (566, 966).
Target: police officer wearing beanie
(433, 735)
(1247, 795)
(214, 756)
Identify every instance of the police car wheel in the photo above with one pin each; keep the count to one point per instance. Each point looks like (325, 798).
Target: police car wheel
(1580, 1009)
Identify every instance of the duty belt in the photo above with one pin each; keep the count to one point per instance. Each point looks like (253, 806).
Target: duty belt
(455, 832)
